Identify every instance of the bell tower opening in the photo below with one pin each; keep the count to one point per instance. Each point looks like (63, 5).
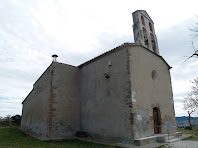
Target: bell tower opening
(145, 37)
(144, 31)
(153, 43)
(142, 19)
(150, 27)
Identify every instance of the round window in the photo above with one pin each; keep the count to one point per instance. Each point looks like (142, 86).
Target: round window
(154, 75)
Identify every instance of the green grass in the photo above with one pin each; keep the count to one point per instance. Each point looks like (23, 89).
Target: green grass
(185, 131)
(194, 134)
(11, 137)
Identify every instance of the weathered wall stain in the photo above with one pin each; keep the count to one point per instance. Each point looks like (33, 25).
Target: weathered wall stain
(51, 102)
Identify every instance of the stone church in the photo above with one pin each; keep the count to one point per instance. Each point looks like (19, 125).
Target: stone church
(122, 95)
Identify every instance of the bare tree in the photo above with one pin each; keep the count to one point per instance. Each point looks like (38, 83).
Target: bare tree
(195, 34)
(195, 54)
(191, 100)
(195, 29)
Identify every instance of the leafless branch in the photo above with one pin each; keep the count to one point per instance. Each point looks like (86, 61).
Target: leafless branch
(195, 54)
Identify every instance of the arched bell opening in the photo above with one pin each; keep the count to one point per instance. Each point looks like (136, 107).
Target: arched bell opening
(153, 43)
(145, 36)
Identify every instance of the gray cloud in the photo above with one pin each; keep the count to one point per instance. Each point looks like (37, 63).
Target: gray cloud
(31, 31)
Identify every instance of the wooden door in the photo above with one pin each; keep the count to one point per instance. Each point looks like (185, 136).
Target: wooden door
(156, 120)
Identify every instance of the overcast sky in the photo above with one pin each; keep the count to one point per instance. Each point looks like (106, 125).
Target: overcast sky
(31, 31)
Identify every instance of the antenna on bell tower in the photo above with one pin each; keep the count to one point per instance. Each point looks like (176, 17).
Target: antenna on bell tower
(54, 56)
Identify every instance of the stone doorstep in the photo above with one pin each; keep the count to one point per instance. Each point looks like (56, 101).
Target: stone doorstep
(168, 138)
(125, 145)
(145, 140)
(161, 138)
(184, 136)
(177, 134)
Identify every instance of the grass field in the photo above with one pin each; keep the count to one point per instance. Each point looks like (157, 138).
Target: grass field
(11, 137)
(191, 132)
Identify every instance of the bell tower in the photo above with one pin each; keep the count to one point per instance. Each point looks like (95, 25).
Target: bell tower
(144, 31)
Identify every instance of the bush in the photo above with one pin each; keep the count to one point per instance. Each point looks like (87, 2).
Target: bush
(16, 120)
(187, 127)
(10, 121)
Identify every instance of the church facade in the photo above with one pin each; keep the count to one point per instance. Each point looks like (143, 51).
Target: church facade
(124, 94)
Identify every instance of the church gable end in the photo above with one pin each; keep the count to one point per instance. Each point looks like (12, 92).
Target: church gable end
(121, 95)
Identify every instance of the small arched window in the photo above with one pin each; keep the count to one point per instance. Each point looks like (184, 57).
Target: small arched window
(154, 75)
(150, 26)
(145, 36)
(142, 19)
(153, 42)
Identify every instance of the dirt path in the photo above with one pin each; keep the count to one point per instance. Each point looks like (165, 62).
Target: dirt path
(184, 144)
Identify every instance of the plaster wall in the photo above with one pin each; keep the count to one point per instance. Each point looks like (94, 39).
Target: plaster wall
(66, 103)
(52, 108)
(34, 114)
(105, 103)
(148, 93)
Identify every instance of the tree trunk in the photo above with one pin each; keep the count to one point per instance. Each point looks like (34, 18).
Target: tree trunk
(189, 120)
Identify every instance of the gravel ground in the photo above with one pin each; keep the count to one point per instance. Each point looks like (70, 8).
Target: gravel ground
(184, 144)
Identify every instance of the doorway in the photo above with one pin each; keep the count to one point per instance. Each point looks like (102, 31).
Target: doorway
(156, 120)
